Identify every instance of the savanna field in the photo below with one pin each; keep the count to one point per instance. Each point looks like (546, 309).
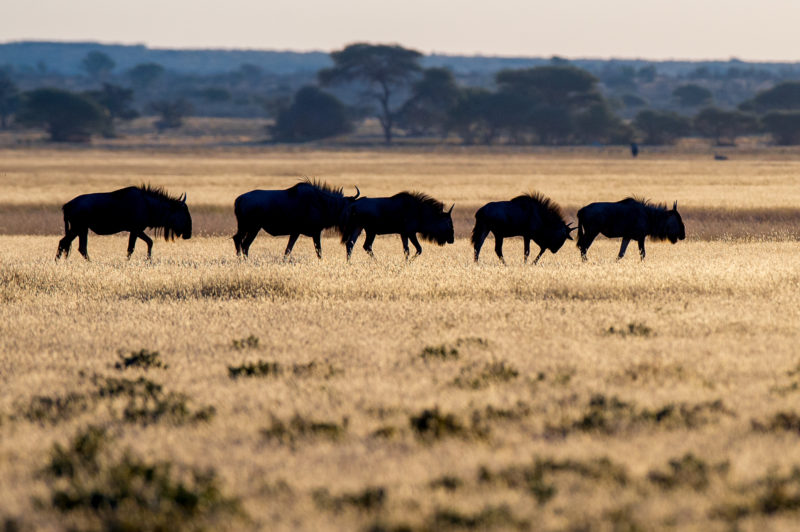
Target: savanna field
(203, 390)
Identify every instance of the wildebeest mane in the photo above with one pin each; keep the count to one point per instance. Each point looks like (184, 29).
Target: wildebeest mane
(657, 216)
(549, 210)
(644, 202)
(320, 186)
(430, 209)
(422, 200)
(159, 223)
(158, 193)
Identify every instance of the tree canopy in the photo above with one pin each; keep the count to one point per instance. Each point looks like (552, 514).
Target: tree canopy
(692, 95)
(784, 126)
(97, 64)
(68, 117)
(783, 96)
(385, 69)
(724, 126)
(313, 114)
(660, 127)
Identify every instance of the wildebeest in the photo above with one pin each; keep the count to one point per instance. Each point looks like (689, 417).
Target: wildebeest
(406, 214)
(531, 216)
(131, 209)
(630, 219)
(306, 208)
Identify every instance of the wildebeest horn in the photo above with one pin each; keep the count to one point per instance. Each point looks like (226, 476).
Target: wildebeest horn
(451, 208)
(183, 198)
(675, 206)
(358, 193)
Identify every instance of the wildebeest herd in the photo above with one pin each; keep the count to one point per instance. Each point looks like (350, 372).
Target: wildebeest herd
(310, 207)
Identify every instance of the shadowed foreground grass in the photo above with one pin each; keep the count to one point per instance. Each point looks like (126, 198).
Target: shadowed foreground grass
(384, 395)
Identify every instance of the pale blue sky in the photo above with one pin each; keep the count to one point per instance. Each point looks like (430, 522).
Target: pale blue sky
(681, 29)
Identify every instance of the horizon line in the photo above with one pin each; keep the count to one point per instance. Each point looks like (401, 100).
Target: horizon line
(429, 53)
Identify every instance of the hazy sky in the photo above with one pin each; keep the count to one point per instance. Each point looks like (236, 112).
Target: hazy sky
(681, 29)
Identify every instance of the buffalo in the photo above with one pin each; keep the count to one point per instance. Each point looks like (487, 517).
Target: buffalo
(629, 219)
(131, 209)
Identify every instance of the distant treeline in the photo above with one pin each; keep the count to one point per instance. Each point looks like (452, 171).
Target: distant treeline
(75, 90)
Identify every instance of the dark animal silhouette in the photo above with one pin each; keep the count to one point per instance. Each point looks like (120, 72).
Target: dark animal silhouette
(630, 219)
(634, 149)
(131, 209)
(406, 214)
(306, 209)
(531, 216)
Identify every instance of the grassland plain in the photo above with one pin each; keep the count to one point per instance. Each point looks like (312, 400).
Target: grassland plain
(433, 395)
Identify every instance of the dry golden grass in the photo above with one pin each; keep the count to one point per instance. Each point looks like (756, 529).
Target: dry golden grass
(436, 394)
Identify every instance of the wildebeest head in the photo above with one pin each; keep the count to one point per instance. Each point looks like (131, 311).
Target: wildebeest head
(675, 229)
(180, 221)
(558, 236)
(442, 231)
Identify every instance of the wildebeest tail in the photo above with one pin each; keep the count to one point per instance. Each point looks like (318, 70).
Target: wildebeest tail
(479, 229)
(346, 221)
(66, 219)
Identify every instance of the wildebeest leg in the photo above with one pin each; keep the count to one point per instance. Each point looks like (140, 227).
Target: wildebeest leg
(623, 247)
(527, 242)
(413, 238)
(368, 240)
(149, 242)
(318, 245)
(641, 248)
(351, 241)
(132, 243)
(83, 237)
(478, 242)
(65, 244)
(404, 239)
(498, 247)
(289, 246)
(248, 240)
(539, 256)
(584, 241)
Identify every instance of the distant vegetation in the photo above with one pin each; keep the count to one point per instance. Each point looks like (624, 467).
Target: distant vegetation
(474, 100)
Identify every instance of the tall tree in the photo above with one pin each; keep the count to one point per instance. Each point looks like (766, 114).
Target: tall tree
(724, 126)
(172, 113)
(659, 127)
(782, 97)
(145, 74)
(692, 95)
(9, 99)
(68, 117)
(385, 69)
(97, 64)
(784, 126)
(313, 114)
(432, 98)
(546, 100)
(117, 102)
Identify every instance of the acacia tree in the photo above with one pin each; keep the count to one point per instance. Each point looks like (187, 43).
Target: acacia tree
(97, 64)
(117, 102)
(313, 114)
(383, 68)
(431, 100)
(724, 126)
(68, 117)
(659, 127)
(692, 95)
(9, 99)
